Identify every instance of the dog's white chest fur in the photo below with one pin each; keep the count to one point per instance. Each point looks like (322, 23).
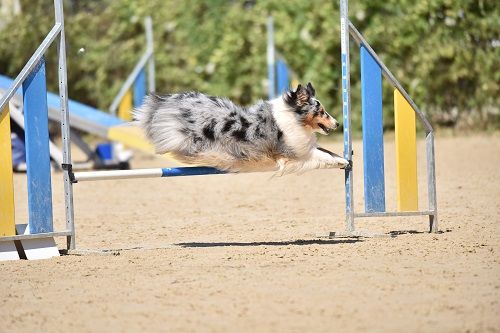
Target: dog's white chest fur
(298, 137)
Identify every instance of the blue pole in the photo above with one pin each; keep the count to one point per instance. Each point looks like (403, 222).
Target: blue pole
(139, 88)
(373, 133)
(283, 80)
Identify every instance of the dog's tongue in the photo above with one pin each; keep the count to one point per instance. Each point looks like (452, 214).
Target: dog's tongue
(324, 128)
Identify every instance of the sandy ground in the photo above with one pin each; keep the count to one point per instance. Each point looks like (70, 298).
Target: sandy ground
(237, 253)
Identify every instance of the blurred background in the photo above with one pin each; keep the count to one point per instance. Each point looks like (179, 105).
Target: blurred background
(445, 53)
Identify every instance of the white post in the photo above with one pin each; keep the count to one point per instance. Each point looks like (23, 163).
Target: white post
(148, 24)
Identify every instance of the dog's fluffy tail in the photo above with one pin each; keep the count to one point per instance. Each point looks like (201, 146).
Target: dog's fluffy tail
(161, 124)
(143, 115)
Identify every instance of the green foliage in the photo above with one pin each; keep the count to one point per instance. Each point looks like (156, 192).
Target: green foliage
(442, 51)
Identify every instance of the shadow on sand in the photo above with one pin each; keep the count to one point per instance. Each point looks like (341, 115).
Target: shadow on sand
(272, 243)
(300, 242)
(406, 232)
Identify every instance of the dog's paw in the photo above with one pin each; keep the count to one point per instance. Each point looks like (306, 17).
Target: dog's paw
(343, 163)
(339, 162)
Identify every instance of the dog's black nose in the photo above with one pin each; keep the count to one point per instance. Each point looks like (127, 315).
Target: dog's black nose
(336, 123)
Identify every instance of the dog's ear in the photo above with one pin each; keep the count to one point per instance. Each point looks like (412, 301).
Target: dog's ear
(297, 98)
(290, 96)
(303, 95)
(311, 90)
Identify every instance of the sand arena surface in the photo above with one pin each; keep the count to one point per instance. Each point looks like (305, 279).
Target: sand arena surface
(236, 253)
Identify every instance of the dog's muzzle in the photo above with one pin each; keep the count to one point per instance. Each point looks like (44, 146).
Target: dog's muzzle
(327, 130)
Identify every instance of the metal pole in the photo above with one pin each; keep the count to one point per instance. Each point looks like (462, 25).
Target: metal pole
(65, 127)
(346, 107)
(431, 182)
(148, 25)
(271, 89)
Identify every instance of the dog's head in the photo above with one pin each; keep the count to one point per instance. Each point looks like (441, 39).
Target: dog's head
(309, 110)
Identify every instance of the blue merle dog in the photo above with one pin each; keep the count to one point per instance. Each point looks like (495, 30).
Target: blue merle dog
(276, 135)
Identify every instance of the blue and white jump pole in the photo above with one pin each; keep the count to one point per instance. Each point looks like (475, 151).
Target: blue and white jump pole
(146, 173)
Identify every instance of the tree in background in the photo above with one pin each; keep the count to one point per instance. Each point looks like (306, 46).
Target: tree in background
(444, 52)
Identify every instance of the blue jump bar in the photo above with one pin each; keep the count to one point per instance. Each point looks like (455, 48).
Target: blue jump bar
(190, 171)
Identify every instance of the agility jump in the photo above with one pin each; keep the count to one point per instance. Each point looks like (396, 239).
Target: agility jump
(372, 69)
(36, 238)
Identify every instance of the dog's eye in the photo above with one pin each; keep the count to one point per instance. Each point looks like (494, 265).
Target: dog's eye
(317, 104)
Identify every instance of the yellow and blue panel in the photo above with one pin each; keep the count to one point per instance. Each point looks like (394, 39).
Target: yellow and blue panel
(34, 94)
(373, 142)
(133, 98)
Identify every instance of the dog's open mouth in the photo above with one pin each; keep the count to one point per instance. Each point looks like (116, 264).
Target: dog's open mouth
(325, 129)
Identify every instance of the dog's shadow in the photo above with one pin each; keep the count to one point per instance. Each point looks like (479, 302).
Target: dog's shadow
(117, 251)
(299, 242)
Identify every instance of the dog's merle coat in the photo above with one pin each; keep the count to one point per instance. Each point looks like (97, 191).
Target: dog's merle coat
(212, 131)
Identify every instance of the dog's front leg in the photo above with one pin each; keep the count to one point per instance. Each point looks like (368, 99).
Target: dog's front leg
(330, 159)
(318, 159)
